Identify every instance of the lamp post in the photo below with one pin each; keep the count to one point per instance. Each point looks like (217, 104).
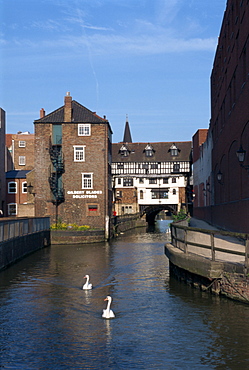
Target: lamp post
(241, 154)
(219, 176)
(207, 189)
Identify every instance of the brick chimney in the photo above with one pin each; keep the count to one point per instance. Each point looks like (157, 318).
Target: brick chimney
(42, 113)
(68, 108)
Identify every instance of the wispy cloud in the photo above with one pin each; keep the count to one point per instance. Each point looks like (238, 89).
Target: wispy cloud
(49, 24)
(142, 44)
(76, 29)
(100, 44)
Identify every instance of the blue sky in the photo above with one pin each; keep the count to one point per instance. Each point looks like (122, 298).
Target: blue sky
(148, 59)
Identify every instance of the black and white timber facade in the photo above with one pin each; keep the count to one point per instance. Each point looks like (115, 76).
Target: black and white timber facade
(151, 175)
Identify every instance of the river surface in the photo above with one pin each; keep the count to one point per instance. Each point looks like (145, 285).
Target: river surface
(48, 322)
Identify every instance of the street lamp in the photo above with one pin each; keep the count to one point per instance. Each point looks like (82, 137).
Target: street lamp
(206, 190)
(241, 154)
(219, 176)
(30, 189)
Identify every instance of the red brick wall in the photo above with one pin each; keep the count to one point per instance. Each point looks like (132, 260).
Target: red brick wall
(19, 197)
(74, 209)
(229, 123)
(27, 151)
(198, 139)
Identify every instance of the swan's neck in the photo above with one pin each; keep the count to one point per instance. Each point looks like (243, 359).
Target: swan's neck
(87, 279)
(108, 305)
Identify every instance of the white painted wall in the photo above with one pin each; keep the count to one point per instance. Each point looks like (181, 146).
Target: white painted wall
(202, 170)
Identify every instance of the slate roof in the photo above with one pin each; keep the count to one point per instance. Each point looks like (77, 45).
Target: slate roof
(80, 114)
(161, 152)
(17, 174)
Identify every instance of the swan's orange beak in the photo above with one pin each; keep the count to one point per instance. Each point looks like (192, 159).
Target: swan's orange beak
(106, 299)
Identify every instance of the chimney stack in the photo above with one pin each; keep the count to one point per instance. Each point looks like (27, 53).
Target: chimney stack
(42, 113)
(68, 108)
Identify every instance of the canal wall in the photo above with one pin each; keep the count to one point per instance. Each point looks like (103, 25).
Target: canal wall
(118, 225)
(210, 260)
(20, 237)
(125, 223)
(77, 236)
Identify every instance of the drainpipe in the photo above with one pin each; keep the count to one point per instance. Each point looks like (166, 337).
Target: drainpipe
(13, 154)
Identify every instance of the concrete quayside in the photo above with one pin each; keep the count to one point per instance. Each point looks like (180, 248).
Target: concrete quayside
(210, 259)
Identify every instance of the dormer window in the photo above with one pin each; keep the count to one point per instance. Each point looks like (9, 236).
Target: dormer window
(123, 151)
(174, 150)
(149, 151)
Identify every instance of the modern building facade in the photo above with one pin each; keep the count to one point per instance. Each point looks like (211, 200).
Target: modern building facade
(72, 180)
(149, 177)
(229, 124)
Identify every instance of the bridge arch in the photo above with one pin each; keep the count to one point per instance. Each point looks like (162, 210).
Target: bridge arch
(153, 210)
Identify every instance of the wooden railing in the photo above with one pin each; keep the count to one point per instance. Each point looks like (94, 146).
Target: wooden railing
(13, 228)
(213, 244)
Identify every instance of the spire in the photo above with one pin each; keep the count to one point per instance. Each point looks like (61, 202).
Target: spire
(127, 133)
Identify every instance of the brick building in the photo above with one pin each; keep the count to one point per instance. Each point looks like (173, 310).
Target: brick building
(72, 179)
(21, 151)
(16, 194)
(202, 168)
(229, 124)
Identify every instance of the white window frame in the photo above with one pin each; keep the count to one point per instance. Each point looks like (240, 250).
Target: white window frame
(24, 187)
(22, 160)
(12, 192)
(22, 143)
(87, 180)
(79, 153)
(84, 129)
(9, 207)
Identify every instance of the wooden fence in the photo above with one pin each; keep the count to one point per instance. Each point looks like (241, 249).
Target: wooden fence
(213, 244)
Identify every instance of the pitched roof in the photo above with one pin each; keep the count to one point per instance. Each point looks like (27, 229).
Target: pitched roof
(17, 174)
(161, 152)
(80, 114)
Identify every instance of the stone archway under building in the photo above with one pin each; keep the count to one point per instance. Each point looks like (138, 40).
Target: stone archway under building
(151, 211)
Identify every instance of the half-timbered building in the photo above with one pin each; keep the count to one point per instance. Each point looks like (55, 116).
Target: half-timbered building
(151, 176)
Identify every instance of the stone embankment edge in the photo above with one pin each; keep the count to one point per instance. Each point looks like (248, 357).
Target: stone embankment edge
(221, 278)
(93, 236)
(17, 248)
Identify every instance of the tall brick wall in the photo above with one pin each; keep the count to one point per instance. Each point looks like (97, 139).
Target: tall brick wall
(230, 117)
(75, 208)
(26, 151)
(43, 206)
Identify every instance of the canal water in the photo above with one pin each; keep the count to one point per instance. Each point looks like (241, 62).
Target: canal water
(48, 322)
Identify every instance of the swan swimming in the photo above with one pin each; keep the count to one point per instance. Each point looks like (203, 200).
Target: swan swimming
(107, 313)
(87, 285)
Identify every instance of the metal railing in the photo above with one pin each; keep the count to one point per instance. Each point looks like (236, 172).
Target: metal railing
(13, 228)
(213, 244)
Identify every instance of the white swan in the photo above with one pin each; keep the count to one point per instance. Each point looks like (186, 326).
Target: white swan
(107, 313)
(87, 285)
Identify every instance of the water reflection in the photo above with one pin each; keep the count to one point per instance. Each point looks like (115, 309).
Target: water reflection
(48, 321)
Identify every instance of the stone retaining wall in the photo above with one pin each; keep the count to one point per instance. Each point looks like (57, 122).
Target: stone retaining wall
(128, 225)
(95, 236)
(77, 236)
(16, 248)
(229, 280)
